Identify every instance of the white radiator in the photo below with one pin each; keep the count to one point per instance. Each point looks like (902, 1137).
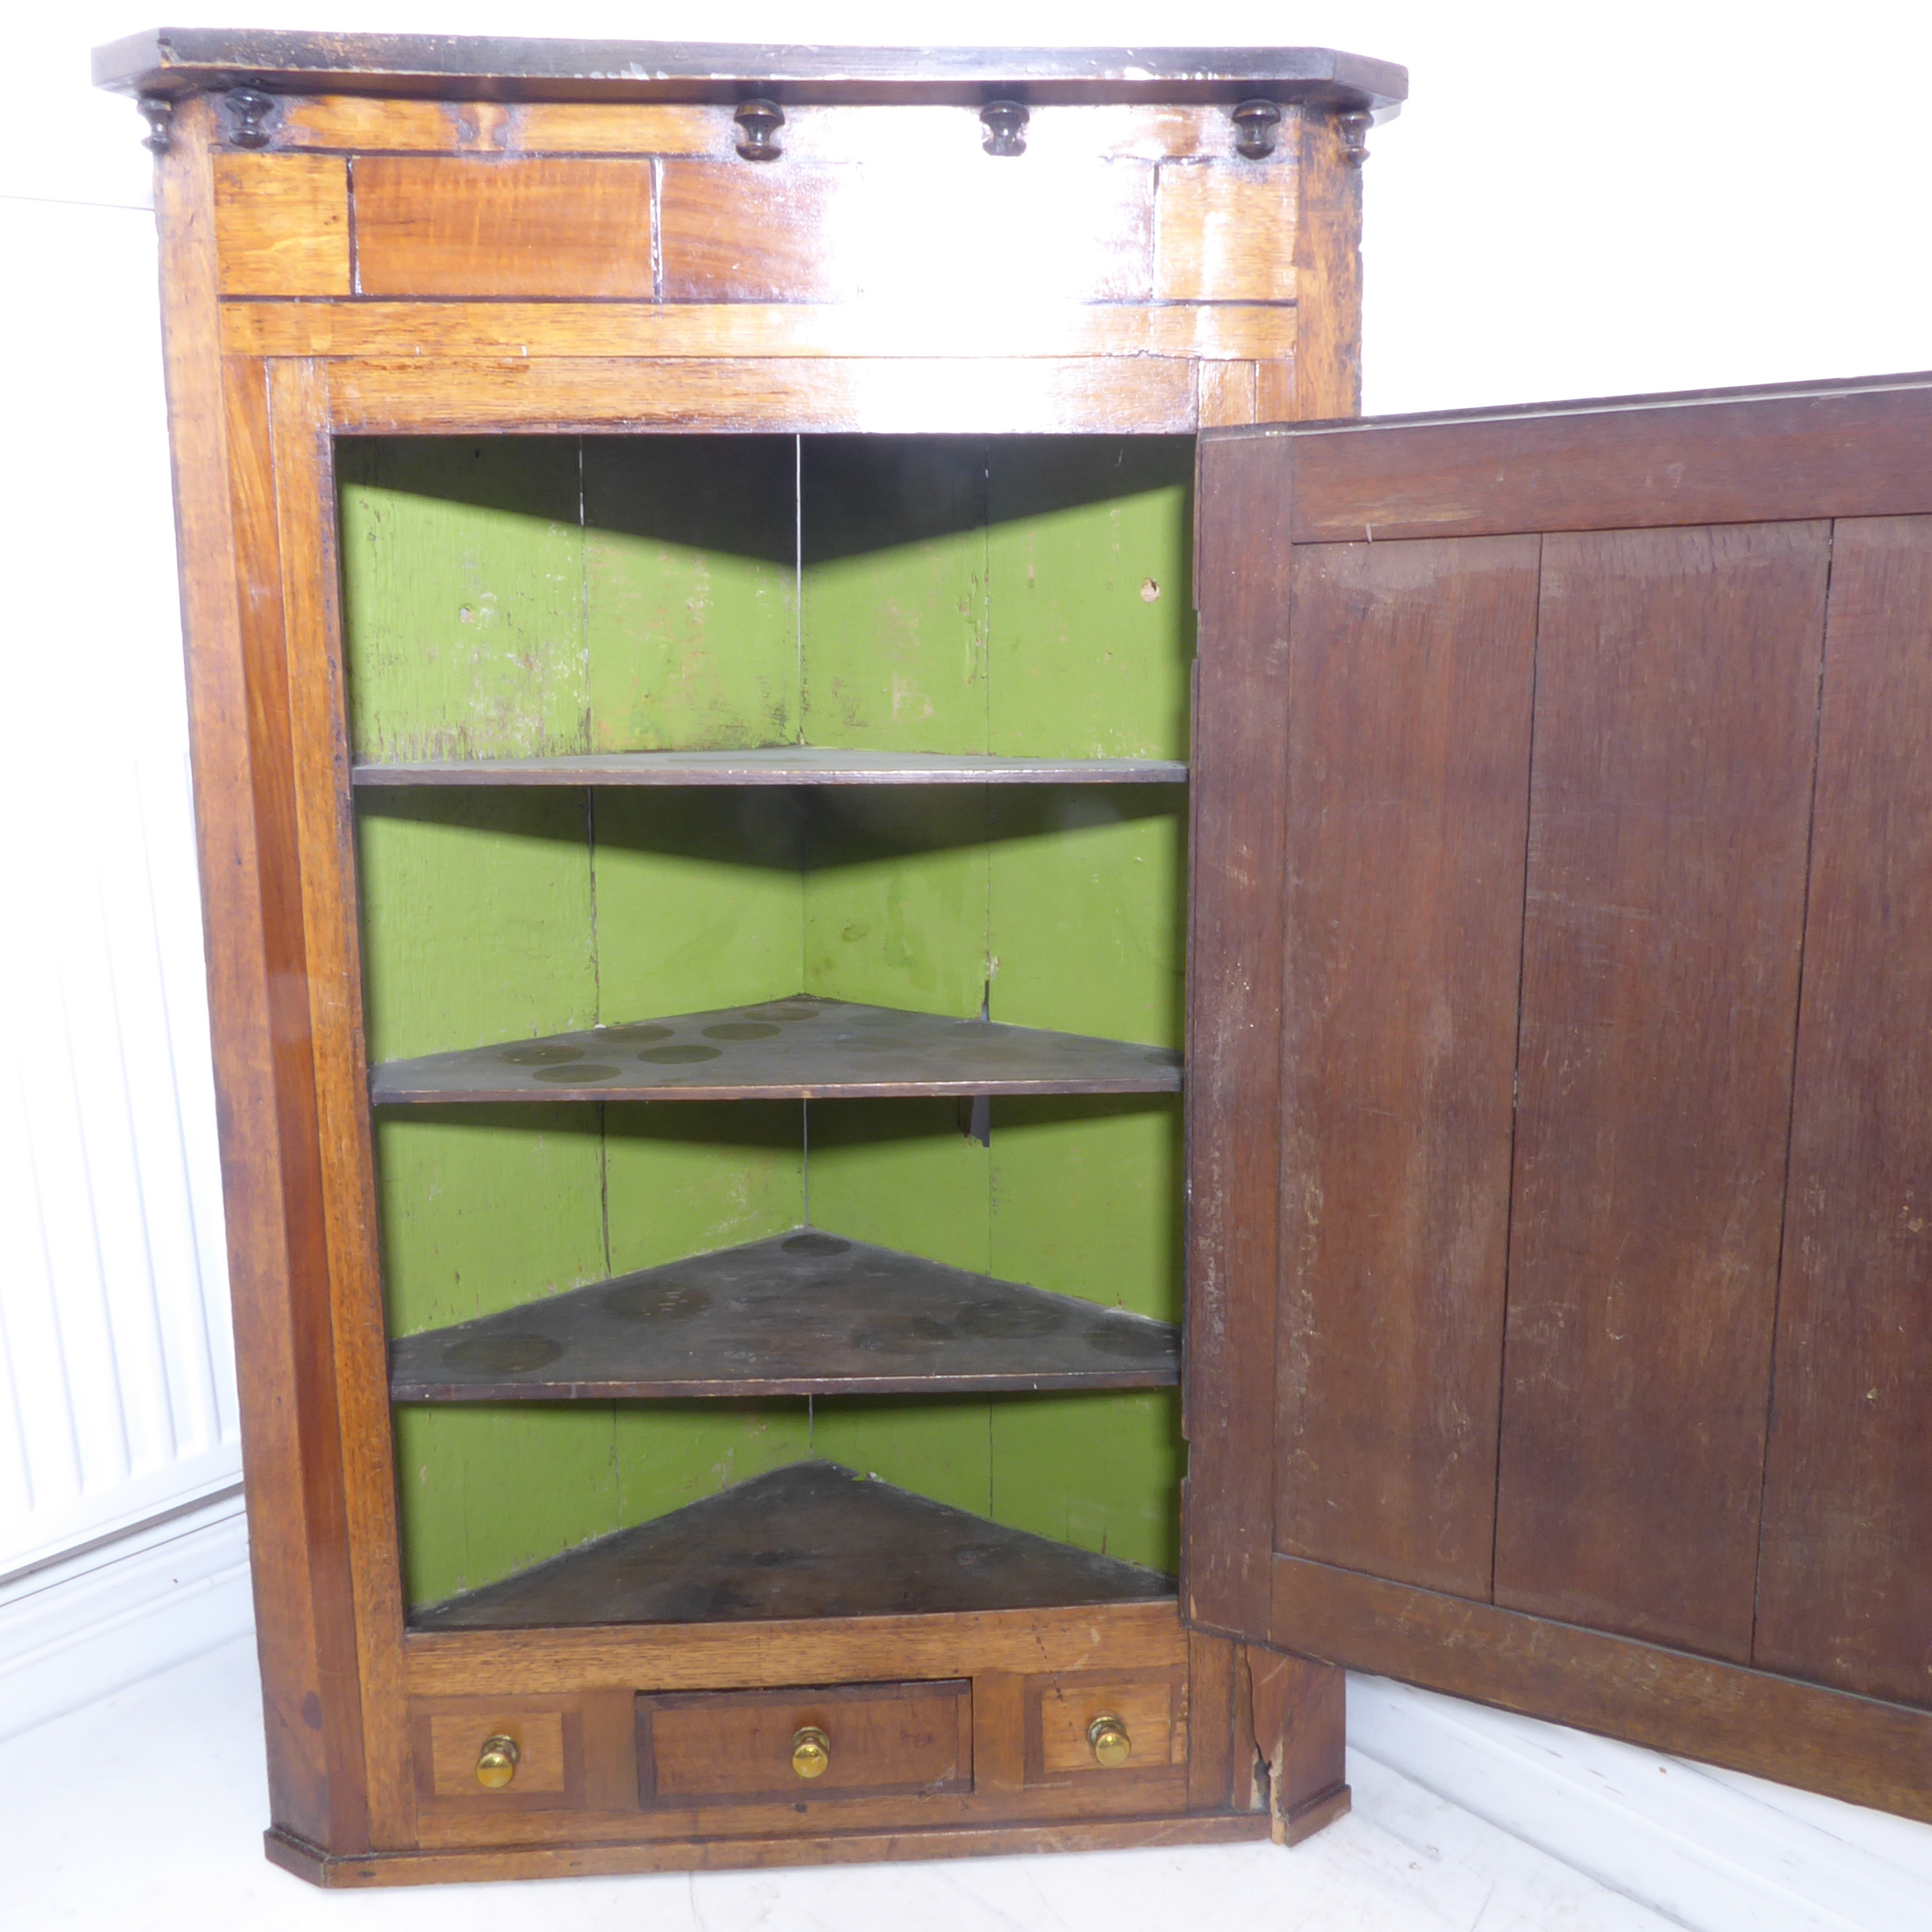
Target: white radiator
(118, 1400)
(117, 1380)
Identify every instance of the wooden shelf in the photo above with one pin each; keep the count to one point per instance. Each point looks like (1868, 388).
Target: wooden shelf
(803, 1313)
(798, 1048)
(783, 765)
(810, 1540)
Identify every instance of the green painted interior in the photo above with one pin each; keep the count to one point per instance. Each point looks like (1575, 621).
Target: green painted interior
(1026, 596)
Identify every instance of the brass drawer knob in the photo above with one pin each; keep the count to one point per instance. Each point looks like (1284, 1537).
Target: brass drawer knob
(811, 1752)
(497, 1762)
(1112, 1746)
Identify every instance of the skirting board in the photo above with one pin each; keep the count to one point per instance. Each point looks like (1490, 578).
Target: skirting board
(1712, 1849)
(83, 1627)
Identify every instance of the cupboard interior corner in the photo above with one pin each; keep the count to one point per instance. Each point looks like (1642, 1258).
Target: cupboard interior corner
(1011, 616)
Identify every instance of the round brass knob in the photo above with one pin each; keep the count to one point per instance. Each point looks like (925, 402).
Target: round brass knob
(497, 1762)
(1112, 1746)
(811, 1752)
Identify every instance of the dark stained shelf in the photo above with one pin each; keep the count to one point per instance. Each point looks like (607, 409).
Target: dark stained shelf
(796, 1048)
(810, 1540)
(803, 1313)
(784, 765)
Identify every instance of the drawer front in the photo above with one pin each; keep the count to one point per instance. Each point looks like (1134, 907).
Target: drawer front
(450, 1736)
(1150, 1706)
(722, 1746)
(434, 226)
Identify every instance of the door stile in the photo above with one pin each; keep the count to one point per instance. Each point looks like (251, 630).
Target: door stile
(1234, 1078)
(305, 500)
(299, 1530)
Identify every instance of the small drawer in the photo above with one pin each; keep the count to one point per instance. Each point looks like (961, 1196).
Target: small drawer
(540, 1770)
(1149, 1707)
(856, 1740)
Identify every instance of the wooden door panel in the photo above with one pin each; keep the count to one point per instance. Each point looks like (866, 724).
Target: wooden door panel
(1676, 706)
(1593, 878)
(1846, 1595)
(1408, 730)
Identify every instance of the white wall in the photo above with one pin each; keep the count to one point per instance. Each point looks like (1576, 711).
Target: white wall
(1579, 202)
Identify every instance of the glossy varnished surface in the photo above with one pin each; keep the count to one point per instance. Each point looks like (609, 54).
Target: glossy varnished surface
(810, 1540)
(798, 1048)
(781, 765)
(176, 60)
(802, 1313)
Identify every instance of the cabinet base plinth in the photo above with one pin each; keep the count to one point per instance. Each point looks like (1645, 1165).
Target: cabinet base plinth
(453, 1866)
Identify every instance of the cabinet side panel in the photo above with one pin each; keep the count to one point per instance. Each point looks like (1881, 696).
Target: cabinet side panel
(1845, 1591)
(1408, 798)
(239, 728)
(1328, 275)
(1239, 791)
(1676, 712)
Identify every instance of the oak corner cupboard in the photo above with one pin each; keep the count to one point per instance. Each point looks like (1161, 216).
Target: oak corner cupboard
(954, 1040)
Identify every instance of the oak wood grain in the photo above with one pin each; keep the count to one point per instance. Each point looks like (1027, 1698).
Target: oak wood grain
(1410, 681)
(701, 1657)
(1855, 1748)
(896, 229)
(1300, 1709)
(1212, 1758)
(999, 1732)
(805, 1312)
(1215, 331)
(1843, 449)
(1224, 230)
(368, 123)
(807, 1540)
(434, 227)
(990, 396)
(1274, 389)
(305, 494)
(824, 131)
(723, 1746)
(298, 1661)
(1152, 1706)
(1676, 707)
(549, 1772)
(1328, 266)
(801, 1813)
(284, 1329)
(1238, 800)
(1845, 1588)
(1226, 394)
(797, 1048)
(862, 1846)
(281, 224)
(177, 60)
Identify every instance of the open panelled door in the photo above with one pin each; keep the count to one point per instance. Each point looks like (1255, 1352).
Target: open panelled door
(1560, 1143)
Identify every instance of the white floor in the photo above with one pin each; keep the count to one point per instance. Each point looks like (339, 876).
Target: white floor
(145, 1810)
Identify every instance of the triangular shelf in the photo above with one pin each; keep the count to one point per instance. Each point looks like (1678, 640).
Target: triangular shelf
(810, 1540)
(778, 765)
(803, 1047)
(802, 1313)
